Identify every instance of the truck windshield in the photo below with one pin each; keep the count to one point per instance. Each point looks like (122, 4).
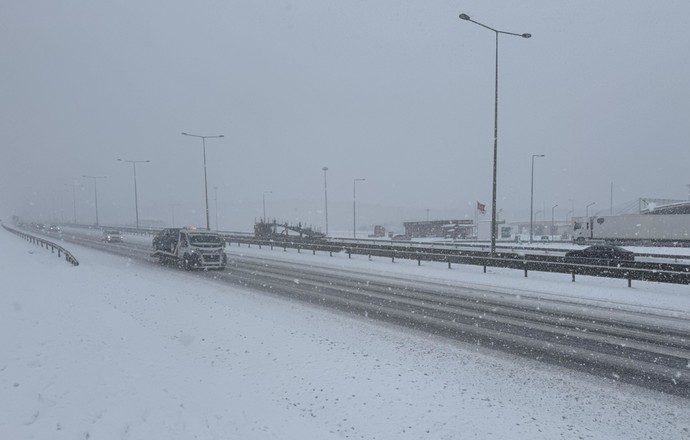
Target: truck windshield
(206, 239)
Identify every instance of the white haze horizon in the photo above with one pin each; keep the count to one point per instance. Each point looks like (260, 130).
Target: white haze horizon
(400, 93)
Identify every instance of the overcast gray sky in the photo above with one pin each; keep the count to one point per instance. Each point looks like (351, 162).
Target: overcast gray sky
(398, 92)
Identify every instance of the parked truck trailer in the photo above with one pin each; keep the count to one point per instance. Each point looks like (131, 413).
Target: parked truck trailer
(654, 228)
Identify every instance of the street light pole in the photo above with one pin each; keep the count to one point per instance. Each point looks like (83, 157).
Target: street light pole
(95, 191)
(215, 189)
(587, 210)
(495, 165)
(203, 143)
(62, 207)
(537, 213)
(531, 197)
(264, 200)
(325, 190)
(136, 197)
(74, 198)
(172, 206)
(354, 206)
(554, 207)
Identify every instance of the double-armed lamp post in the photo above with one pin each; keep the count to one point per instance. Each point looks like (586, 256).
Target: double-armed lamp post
(136, 197)
(203, 143)
(354, 206)
(493, 193)
(74, 198)
(95, 191)
(325, 190)
(263, 197)
(531, 199)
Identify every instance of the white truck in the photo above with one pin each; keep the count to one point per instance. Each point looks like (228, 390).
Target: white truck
(190, 248)
(652, 228)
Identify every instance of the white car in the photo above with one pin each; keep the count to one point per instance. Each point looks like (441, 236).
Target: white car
(111, 236)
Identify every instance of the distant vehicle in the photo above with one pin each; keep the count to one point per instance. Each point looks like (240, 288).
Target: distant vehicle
(600, 253)
(166, 240)
(656, 228)
(112, 236)
(54, 228)
(190, 248)
(379, 231)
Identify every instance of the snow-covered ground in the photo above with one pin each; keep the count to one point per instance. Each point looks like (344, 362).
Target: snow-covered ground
(659, 298)
(118, 349)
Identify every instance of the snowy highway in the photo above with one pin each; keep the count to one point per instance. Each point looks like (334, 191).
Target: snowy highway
(121, 347)
(638, 347)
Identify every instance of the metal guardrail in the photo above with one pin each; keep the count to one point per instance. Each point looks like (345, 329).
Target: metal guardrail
(452, 254)
(45, 243)
(481, 247)
(654, 273)
(457, 245)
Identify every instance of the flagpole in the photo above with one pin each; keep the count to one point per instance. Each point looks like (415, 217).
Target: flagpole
(476, 221)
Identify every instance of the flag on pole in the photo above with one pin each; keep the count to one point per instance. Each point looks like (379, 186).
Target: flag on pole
(481, 207)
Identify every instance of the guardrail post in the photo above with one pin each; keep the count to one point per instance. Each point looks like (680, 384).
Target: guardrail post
(629, 281)
(299, 249)
(485, 268)
(271, 246)
(419, 260)
(284, 248)
(573, 276)
(448, 262)
(393, 258)
(313, 251)
(330, 252)
(525, 271)
(259, 245)
(349, 253)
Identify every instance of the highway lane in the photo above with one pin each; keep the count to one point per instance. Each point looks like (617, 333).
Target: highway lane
(638, 348)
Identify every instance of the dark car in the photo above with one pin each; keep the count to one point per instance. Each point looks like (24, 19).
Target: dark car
(600, 253)
(166, 239)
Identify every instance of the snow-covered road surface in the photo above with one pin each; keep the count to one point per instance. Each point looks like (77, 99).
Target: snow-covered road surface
(116, 349)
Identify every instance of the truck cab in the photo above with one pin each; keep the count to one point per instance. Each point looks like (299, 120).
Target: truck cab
(192, 249)
(582, 229)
